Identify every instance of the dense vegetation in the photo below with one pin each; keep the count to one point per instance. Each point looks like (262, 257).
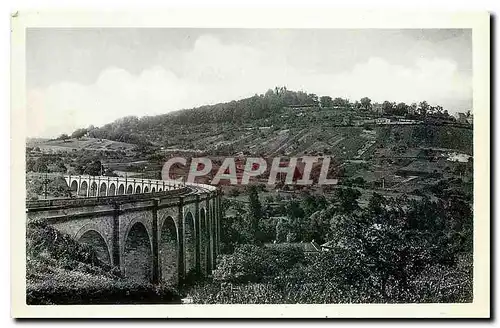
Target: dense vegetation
(394, 250)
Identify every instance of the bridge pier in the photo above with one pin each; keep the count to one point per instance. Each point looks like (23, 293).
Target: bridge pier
(197, 225)
(208, 215)
(156, 261)
(218, 216)
(180, 243)
(115, 247)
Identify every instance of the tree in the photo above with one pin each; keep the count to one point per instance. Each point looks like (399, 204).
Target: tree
(376, 204)
(413, 108)
(423, 108)
(326, 101)
(63, 136)
(293, 209)
(319, 225)
(254, 210)
(314, 98)
(388, 107)
(267, 230)
(93, 168)
(311, 203)
(366, 103)
(40, 165)
(61, 167)
(339, 102)
(281, 231)
(439, 110)
(346, 199)
(79, 133)
(401, 109)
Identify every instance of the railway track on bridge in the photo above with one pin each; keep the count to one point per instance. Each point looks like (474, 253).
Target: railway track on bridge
(186, 189)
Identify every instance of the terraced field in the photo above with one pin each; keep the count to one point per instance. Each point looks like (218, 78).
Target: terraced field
(79, 144)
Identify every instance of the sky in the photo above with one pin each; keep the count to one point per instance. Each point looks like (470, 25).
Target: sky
(79, 77)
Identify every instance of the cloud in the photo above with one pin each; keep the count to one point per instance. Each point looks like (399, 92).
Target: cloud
(214, 72)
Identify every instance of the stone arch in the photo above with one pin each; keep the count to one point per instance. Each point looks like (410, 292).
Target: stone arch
(95, 240)
(93, 189)
(121, 189)
(153, 189)
(146, 189)
(137, 254)
(130, 189)
(74, 187)
(138, 190)
(83, 188)
(168, 251)
(102, 189)
(190, 243)
(112, 189)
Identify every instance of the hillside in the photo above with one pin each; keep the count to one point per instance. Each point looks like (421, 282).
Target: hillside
(157, 128)
(283, 122)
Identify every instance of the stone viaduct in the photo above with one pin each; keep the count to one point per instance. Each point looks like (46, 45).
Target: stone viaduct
(91, 186)
(153, 230)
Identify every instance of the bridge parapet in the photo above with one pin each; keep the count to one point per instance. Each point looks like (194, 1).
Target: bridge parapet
(103, 200)
(98, 186)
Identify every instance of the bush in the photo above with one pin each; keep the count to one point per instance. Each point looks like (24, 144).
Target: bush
(250, 263)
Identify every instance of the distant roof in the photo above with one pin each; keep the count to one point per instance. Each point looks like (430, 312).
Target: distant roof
(306, 247)
(305, 105)
(328, 244)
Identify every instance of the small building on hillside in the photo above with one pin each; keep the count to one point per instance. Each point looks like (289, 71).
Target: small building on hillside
(382, 120)
(376, 121)
(305, 106)
(328, 246)
(308, 247)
